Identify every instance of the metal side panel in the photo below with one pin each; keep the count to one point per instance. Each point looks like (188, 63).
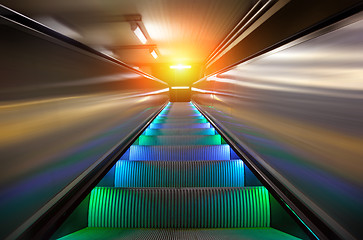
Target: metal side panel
(62, 109)
(298, 111)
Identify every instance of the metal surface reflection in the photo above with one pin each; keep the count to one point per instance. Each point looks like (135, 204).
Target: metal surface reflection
(300, 110)
(61, 110)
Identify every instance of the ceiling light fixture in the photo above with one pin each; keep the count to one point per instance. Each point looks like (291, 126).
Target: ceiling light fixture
(154, 53)
(138, 32)
(180, 87)
(180, 66)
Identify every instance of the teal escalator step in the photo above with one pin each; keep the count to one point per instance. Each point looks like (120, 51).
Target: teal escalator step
(179, 153)
(179, 207)
(180, 131)
(180, 233)
(140, 174)
(179, 125)
(180, 117)
(180, 140)
(180, 120)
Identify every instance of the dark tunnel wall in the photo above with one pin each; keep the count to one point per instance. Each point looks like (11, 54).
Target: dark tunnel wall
(298, 110)
(61, 109)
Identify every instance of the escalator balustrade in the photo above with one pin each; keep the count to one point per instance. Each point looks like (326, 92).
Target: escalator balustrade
(179, 180)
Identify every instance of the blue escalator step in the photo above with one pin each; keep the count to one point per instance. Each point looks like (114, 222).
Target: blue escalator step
(177, 153)
(141, 174)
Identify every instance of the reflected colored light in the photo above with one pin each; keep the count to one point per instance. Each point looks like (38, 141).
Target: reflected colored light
(140, 35)
(180, 87)
(154, 54)
(180, 66)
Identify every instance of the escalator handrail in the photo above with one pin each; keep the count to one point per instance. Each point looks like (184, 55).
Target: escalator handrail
(307, 219)
(49, 218)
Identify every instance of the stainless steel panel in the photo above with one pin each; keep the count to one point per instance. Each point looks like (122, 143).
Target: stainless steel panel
(299, 109)
(61, 109)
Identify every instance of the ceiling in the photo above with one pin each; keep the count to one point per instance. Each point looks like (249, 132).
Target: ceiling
(184, 31)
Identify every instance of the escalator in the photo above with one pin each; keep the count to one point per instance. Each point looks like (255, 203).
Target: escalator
(179, 180)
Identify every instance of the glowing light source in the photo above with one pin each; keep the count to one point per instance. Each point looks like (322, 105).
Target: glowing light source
(180, 66)
(139, 34)
(154, 54)
(180, 87)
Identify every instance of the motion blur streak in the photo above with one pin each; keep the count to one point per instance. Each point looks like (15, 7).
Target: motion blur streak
(300, 111)
(61, 110)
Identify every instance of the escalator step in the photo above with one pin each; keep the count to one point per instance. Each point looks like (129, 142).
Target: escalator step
(179, 208)
(181, 140)
(178, 153)
(180, 120)
(179, 125)
(180, 131)
(172, 233)
(180, 114)
(139, 174)
(180, 117)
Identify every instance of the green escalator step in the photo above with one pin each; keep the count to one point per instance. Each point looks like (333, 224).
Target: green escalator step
(179, 125)
(172, 233)
(179, 207)
(180, 131)
(180, 140)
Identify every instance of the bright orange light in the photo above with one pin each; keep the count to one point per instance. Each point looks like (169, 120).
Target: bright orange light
(180, 87)
(180, 66)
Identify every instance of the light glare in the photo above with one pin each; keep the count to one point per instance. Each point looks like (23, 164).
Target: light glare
(180, 66)
(180, 87)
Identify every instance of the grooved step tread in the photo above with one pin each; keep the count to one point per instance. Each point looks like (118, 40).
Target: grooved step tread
(179, 153)
(139, 174)
(163, 116)
(180, 140)
(180, 120)
(179, 125)
(180, 115)
(179, 207)
(172, 233)
(180, 131)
